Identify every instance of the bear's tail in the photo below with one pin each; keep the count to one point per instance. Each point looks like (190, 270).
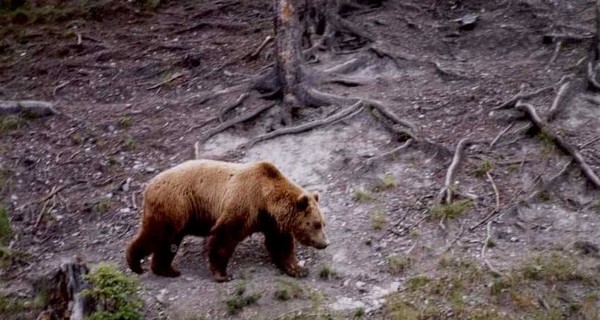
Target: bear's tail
(136, 251)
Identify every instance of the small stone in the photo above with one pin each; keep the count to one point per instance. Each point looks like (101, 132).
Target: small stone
(125, 210)
(150, 169)
(302, 263)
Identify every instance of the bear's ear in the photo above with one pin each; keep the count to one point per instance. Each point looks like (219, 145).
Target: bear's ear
(316, 195)
(302, 202)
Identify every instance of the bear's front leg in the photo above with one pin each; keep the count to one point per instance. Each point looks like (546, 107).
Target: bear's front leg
(220, 248)
(282, 250)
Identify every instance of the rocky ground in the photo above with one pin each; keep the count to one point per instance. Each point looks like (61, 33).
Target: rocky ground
(129, 83)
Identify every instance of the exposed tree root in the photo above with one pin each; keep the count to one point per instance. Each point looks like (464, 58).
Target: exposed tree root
(29, 108)
(228, 124)
(348, 112)
(446, 191)
(501, 134)
(523, 95)
(256, 52)
(214, 24)
(496, 192)
(559, 141)
(486, 242)
(548, 185)
(233, 105)
(559, 101)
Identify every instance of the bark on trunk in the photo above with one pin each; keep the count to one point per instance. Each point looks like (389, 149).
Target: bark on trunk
(288, 45)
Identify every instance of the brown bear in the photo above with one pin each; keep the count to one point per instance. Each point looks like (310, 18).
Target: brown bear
(225, 202)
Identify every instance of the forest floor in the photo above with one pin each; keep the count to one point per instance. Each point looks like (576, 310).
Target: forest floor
(131, 83)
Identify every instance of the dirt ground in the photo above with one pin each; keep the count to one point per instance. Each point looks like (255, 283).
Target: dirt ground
(130, 83)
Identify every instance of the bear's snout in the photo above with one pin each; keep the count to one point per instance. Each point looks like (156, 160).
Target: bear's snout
(322, 245)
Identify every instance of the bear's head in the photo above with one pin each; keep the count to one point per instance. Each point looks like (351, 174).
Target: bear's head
(309, 225)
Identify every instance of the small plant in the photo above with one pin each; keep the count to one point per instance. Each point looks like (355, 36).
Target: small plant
(359, 313)
(10, 123)
(129, 143)
(326, 272)
(387, 181)
(450, 211)
(102, 206)
(552, 268)
(5, 229)
(125, 121)
(361, 195)
(287, 290)
(547, 142)
(77, 139)
(484, 167)
(237, 303)
(378, 220)
(115, 294)
(417, 282)
(414, 234)
(397, 265)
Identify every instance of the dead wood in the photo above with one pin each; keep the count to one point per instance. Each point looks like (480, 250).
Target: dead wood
(559, 141)
(594, 52)
(228, 124)
(63, 289)
(348, 112)
(446, 191)
(52, 193)
(28, 108)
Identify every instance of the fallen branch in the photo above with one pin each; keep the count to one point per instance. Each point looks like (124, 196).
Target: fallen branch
(30, 108)
(559, 141)
(447, 190)
(228, 124)
(486, 243)
(52, 193)
(350, 111)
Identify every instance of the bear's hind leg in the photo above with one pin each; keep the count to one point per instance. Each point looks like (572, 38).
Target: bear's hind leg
(138, 249)
(283, 254)
(162, 259)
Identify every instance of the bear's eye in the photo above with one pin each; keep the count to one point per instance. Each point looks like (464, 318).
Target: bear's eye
(317, 225)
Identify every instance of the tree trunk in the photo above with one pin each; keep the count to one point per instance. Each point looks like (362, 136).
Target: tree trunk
(288, 46)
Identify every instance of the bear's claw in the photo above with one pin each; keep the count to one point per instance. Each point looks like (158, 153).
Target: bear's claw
(297, 271)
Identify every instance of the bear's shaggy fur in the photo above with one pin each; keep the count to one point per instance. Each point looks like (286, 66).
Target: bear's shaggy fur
(225, 202)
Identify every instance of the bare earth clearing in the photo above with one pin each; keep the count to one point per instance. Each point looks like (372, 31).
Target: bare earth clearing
(129, 85)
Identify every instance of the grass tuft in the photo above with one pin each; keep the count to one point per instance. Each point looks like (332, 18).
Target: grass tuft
(450, 211)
